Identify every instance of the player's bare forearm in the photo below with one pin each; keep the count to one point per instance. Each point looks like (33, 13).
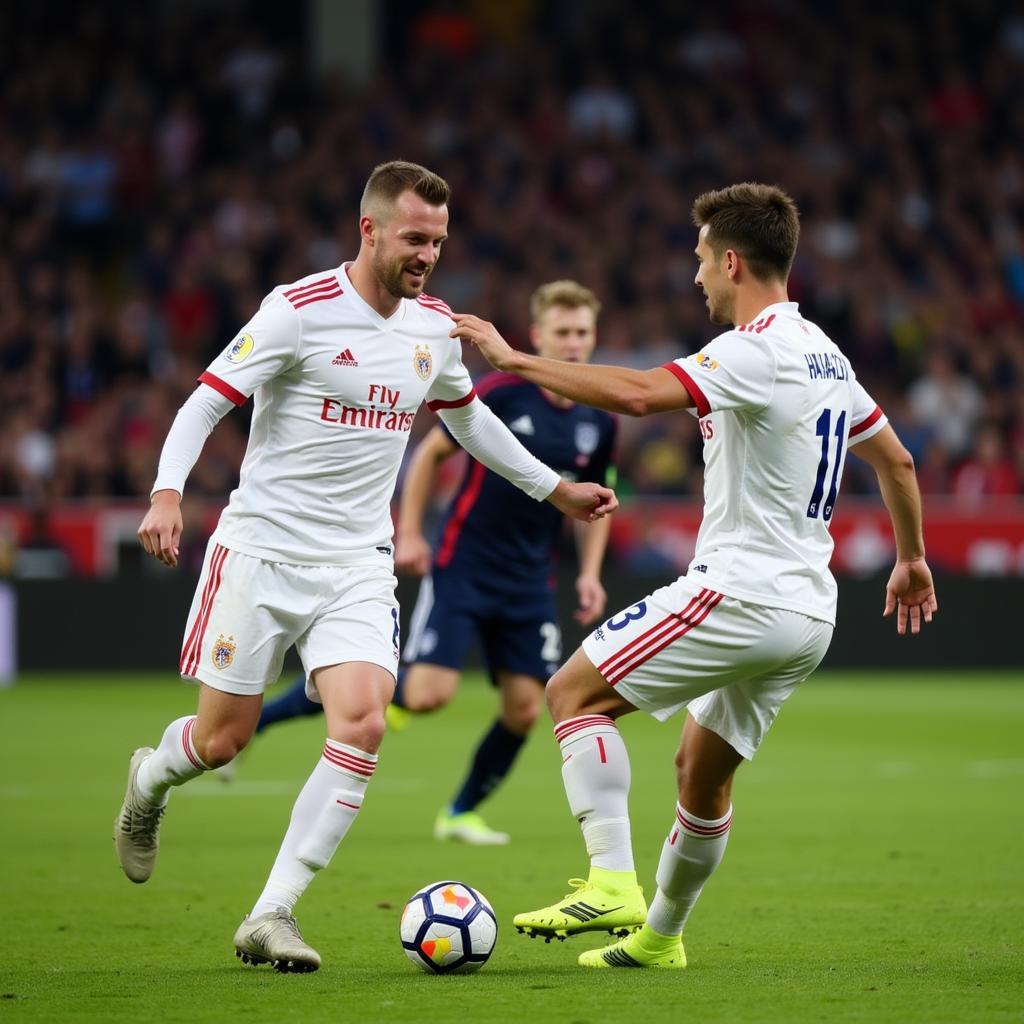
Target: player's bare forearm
(894, 467)
(910, 591)
(614, 388)
(591, 544)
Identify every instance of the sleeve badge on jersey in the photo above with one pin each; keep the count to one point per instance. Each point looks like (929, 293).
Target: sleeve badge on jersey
(587, 436)
(223, 652)
(240, 349)
(423, 362)
(705, 362)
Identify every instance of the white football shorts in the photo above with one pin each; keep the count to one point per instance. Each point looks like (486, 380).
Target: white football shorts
(247, 612)
(732, 664)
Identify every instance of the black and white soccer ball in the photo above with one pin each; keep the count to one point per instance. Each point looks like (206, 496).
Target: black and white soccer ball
(448, 927)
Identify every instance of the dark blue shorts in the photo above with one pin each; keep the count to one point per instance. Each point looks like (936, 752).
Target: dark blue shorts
(516, 632)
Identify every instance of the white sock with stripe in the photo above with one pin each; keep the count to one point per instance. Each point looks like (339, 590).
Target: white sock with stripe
(693, 850)
(595, 771)
(323, 813)
(174, 762)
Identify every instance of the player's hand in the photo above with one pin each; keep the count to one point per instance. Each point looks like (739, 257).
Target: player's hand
(911, 594)
(495, 349)
(160, 532)
(592, 600)
(412, 554)
(585, 502)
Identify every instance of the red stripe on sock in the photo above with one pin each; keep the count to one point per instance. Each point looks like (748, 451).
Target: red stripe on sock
(703, 831)
(600, 748)
(355, 807)
(186, 742)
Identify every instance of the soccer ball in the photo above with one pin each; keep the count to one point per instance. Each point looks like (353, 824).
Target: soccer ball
(448, 927)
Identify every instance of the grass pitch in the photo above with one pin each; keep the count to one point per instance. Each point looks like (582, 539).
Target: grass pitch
(873, 873)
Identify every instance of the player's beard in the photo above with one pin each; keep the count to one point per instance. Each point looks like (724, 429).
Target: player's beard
(390, 274)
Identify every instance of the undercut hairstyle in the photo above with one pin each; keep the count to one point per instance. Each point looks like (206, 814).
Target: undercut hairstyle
(562, 295)
(760, 222)
(389, 180)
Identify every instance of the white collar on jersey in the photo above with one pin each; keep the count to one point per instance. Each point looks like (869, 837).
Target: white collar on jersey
(387, 322)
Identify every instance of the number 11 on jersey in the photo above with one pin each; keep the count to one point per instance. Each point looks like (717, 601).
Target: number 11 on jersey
(822, 430)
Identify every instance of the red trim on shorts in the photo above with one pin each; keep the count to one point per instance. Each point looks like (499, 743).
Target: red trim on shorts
(865, 423)
(457, 404)
(698, 396)
(608, 664)
(693, 617)
(222, 386)
(186, 652)
(197, 650)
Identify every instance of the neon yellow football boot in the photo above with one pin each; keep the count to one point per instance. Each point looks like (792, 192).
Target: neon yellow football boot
(645, 948)
(609, 901)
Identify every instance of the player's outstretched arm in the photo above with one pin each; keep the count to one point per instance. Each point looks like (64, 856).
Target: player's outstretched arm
(910, 591)
(412, 551)
(615, 388)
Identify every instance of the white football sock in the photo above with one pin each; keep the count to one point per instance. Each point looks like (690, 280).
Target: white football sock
(174, 762)
(693, 850)
(323, 813)
(595, 771)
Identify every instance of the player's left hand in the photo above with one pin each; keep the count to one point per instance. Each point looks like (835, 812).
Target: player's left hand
(586, 502)
(910, 593)
(592, 600)
(495, 349)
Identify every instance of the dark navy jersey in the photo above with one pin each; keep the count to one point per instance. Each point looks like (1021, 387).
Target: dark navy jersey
(492, 527)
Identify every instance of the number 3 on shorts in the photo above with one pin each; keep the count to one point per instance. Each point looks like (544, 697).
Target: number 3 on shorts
(638, 611)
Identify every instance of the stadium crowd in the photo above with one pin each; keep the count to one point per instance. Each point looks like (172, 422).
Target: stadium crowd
(161, 171)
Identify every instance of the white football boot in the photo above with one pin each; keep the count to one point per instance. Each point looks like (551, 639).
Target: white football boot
(274, 938)
(137, 826)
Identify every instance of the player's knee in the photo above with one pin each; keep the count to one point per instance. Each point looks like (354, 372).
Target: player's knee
(363, 731)
(220, 747)
(563, 698)
(428, 698)
(521, 715)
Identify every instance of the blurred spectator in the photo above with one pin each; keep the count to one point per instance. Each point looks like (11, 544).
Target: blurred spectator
(160, 171)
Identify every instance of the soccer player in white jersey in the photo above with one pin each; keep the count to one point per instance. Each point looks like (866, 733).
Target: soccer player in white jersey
(339, 363)
(778, 406)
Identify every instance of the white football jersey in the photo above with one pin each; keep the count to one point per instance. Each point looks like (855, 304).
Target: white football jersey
(778, 405)
(336, 388)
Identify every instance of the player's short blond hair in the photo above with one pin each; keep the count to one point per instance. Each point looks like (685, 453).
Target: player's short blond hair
(760, 222)
(562, 295)
(389, 180)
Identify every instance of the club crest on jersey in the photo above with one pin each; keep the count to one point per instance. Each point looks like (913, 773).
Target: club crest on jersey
(422, 362)
(240, 349)
(223, 652)
(587, 436)
(705, 362)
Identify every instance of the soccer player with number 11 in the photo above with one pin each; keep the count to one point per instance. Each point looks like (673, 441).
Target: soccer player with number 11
(778, 406)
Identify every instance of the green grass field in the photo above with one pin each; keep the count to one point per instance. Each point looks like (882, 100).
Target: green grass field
(874, 871)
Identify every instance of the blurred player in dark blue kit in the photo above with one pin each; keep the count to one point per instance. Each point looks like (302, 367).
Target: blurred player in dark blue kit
(492, 575)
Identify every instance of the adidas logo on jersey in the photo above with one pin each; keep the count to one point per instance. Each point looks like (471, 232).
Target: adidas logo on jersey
(523, 425)
(345, 359)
